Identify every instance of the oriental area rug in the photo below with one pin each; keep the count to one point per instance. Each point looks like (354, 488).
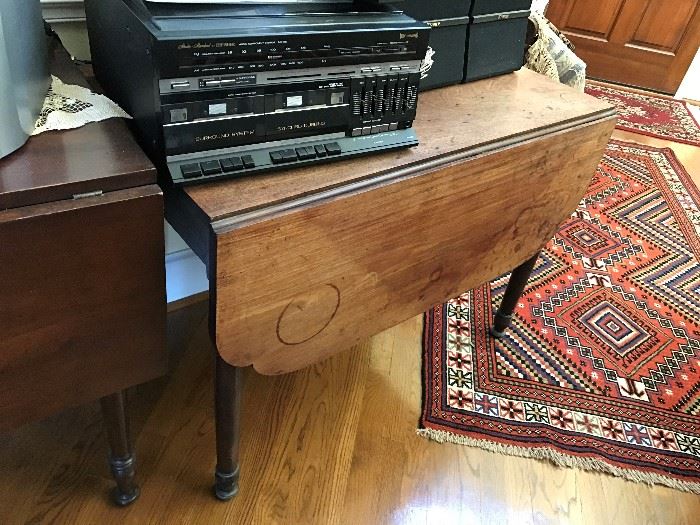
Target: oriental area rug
(600, 368)
(660, 117)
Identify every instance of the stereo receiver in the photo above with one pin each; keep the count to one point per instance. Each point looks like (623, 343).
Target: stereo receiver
(226, 90)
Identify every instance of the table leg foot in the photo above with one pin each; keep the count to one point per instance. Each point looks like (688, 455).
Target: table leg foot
(227, 409)
(126, 491)
(226, 484)
(501, 321)
(516, 287)
(121, 457)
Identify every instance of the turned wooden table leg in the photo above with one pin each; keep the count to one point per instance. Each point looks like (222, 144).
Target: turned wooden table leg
(227, 408)
(515, 288)
(121, 457)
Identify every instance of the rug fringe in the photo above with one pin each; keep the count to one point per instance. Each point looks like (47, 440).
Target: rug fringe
(561, 459)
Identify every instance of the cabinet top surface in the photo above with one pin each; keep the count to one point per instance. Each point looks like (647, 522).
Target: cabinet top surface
(56, 165)
(452, 123)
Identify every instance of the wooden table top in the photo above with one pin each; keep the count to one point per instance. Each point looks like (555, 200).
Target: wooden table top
(483, 116)
(59, 164)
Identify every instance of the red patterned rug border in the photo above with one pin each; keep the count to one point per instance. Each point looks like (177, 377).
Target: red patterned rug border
(504, 444)
(628, 89)
(654, 136)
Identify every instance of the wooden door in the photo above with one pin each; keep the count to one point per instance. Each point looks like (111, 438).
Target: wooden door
(645, 43)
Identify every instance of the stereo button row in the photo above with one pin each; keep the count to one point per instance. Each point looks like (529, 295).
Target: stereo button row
(214, 167)
(231, 164)
(285, 156)
(372, 130)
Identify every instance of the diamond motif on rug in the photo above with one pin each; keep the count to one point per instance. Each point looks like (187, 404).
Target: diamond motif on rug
(592, 242)
(616, 335)
(600, 367)
(613, 329)
(656, 116)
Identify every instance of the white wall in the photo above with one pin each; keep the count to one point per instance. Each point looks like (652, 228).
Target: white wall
(539, 5)
(185, 273)
(690, 87)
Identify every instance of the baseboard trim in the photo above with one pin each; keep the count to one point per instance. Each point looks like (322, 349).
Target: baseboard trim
(63, 10)
(186, 302)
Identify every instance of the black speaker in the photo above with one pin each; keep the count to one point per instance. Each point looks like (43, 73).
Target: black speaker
(428, 10)
(496, 40)
(470, 39)
(449, 19)
(485, 7)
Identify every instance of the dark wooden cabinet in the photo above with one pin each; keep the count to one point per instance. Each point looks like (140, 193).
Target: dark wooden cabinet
(82, 278)
(81, 303)
(645, 43)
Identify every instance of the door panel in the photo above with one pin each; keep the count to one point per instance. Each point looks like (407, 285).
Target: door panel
(645, 43)
(663, 24)
(596, 23)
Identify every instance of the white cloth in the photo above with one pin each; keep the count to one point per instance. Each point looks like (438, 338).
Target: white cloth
(550, 56)
(68, 106)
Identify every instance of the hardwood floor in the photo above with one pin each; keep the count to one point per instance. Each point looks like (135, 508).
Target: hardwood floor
(334, 443)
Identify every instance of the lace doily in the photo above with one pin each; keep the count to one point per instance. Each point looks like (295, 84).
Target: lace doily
(68, 106)
(553, 57)
(427, 64)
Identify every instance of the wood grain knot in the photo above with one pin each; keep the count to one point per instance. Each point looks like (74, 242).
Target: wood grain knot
(308, 315)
